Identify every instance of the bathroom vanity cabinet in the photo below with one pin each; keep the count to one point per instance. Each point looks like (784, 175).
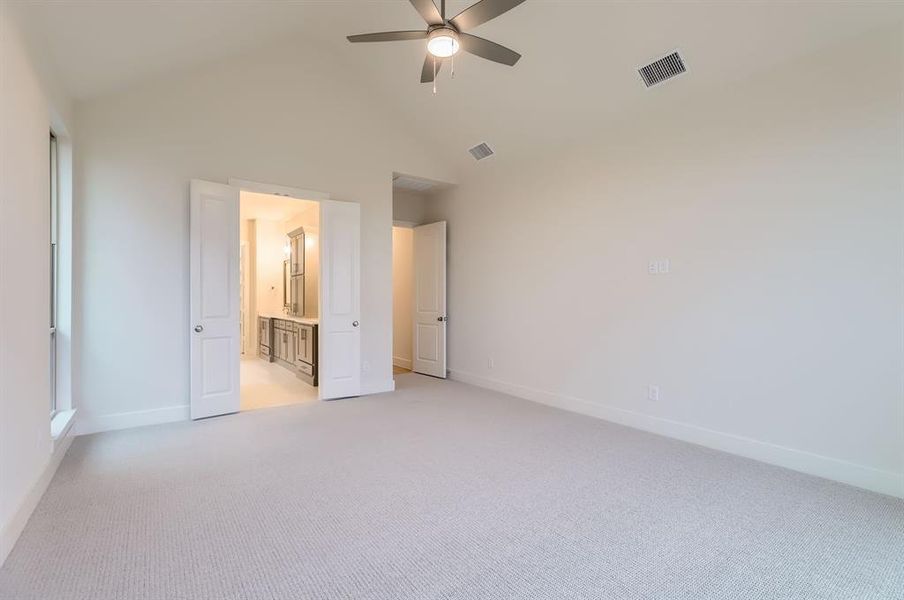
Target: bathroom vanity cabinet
(291, 343)
(264, 336)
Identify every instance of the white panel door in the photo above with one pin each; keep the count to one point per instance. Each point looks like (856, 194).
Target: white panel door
(429, 343)
(340, 296)
(215, 310)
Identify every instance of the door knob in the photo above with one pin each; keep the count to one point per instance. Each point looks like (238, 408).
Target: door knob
(199, 328)
(440, 319)
(354, 323)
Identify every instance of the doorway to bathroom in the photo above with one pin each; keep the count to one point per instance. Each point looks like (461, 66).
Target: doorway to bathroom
(279, 294)
(276, 319)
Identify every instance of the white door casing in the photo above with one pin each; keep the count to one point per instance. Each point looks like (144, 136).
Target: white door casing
(215, 314)
(340, 309)
(429, 331)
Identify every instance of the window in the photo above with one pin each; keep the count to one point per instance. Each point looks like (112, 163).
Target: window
(54, 279)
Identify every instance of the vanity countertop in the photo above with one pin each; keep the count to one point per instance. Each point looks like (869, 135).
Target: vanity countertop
(302, 320)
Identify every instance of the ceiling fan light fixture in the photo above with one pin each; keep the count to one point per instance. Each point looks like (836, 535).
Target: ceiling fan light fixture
(446, 37)
(443, 42)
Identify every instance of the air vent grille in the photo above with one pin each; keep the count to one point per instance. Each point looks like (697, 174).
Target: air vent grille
(481, 151)
(662, 69)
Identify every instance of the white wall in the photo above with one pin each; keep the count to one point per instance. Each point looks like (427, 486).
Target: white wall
(778, 332)
(284, 115)
(270, 243)
(410, 206)
(29, 107)
(402, 295)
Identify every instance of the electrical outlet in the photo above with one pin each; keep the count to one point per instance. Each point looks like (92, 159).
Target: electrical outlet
(490, 363)
(365, 366)
(653, 393)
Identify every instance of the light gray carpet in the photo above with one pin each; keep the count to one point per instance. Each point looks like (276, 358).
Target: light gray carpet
(441, 490)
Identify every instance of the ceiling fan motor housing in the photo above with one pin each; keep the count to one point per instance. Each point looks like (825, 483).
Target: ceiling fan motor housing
(443, 42)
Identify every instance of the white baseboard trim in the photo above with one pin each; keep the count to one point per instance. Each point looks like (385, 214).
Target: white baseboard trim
(88, 423)
(11, 532)
(404, 363)
(377, 387)
(884, 482)
(60, 426)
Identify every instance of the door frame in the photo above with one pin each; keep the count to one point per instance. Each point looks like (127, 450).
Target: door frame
(247, 185)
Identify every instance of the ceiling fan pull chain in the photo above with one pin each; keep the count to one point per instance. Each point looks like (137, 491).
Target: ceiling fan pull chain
(453, 66)
(434, 75)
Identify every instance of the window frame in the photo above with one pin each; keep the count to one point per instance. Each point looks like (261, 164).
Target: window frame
(54, 200)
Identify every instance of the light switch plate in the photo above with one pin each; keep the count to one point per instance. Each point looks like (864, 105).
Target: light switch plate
(659, 266)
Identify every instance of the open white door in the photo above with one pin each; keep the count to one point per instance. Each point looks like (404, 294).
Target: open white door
(214, 323)
(340, 300)
(429, 343)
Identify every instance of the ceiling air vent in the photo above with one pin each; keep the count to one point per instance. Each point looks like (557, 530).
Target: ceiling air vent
(481, 151)
(662, 69)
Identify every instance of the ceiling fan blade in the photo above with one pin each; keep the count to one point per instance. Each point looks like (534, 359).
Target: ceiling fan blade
(428, 11)
(427, 74)
(388, 36)
(487, 49)
(480, 13)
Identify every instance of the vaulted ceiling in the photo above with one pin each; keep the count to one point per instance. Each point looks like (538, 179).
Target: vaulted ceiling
(578, 71)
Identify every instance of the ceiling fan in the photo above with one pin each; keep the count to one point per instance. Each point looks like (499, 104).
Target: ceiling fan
(445, 37)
